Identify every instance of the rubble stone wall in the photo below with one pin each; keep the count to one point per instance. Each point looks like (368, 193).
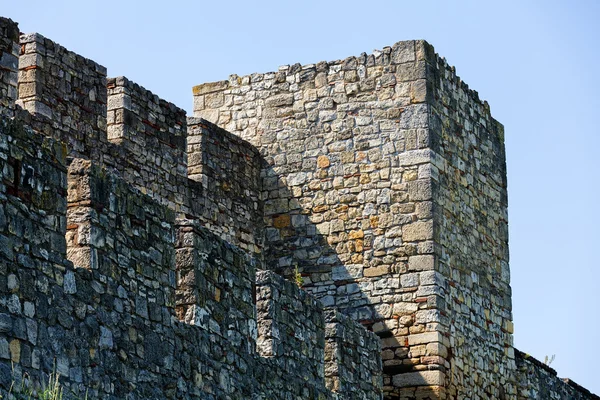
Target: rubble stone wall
(9, 65)
(537, 380)
(471, 235)
(64, 93)
(229, 170)
(155, 131)
(385, 187)
(90, 288)
(347, 191)
(125, 294)
(68, 97)
(133, 240)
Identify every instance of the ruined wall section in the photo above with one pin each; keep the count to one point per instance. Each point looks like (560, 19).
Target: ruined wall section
(347, 191)
(471, 236)
(537, 380)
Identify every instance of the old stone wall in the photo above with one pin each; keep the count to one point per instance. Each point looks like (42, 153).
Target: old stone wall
(347, 191)
(133, 239)
(142, 138)
(229, 170)
(471, 234)
(537, 380)
(215, 285)
(126, 288)
(385, 186)
(350, 355)
(9, 64)
(107, 323)
(155, 131)
(64, 93)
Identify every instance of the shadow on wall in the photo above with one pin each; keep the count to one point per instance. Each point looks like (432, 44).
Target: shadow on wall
(305, 242)
(300, 242)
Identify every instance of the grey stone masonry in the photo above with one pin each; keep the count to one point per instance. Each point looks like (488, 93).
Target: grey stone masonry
(89, 290)
(9, 64)
(144, 254)
(347, 193)
(68, 97)
(538, 381)
(154, 130)
(229, 170)
(121, 275)
(385, 187)
(64, 93)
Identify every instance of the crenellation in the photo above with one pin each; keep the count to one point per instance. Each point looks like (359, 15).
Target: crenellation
(229, 170)
(351, 358)
(143, 253)
(139, 119)
(64, 92)
(290, 323)
(216, 283)
(107, 323)
(9, 64)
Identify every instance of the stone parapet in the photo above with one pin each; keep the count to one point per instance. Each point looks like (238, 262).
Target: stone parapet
(216, 284)
(9, 64)
(90, 291)
(229, 170)
(64, 92)
(537, 380)
(148, 125)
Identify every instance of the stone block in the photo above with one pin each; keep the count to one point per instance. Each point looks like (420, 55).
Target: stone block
(417, 231)
(420, 378)
(210, 87)
(421, 263)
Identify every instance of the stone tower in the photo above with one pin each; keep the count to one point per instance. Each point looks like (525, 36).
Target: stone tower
(138, 246)
(384, 184)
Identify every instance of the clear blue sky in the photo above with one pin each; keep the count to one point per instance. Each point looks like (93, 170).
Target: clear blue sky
(536, 62)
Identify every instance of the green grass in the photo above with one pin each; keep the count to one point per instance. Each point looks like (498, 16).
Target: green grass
(52, 391)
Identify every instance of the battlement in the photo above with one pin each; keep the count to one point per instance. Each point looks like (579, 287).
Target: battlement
(9, 51)
(105, 256)
(143, 252)
(139, 119)
(64, 92)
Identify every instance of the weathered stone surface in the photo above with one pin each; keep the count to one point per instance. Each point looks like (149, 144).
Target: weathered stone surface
(422, 378)
(378, 181)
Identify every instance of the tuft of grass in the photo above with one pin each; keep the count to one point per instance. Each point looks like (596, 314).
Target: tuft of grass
(549, 360)
(298, 278)
(53, 391)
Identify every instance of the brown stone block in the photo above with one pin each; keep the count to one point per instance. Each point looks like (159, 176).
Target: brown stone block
(210, 87)
(359, 245)
(376, 271)
(323, 161)
(356, 234)
(374, 220)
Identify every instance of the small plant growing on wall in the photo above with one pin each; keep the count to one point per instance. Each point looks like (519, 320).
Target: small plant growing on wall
(549, 360)
(298, 277)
